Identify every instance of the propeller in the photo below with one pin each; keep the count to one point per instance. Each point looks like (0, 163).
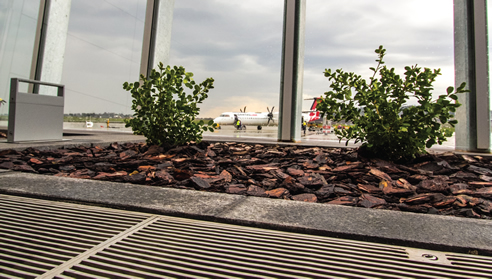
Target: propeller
(242, 110)
(270, 115)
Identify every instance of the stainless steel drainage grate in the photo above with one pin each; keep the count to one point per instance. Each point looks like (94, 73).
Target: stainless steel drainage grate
(51, 239)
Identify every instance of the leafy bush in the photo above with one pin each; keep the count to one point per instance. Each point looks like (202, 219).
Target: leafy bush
(164, 112)
(387, 127)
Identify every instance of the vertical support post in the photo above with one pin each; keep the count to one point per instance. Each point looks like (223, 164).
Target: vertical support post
(157, 34)
(14, 88)
(482, 74)
(292, 72)
(471, 66)
(50, 41)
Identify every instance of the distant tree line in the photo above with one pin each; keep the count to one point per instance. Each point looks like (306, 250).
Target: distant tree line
(99, 115)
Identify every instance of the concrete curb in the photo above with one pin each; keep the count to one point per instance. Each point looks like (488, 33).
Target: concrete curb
(398, 228)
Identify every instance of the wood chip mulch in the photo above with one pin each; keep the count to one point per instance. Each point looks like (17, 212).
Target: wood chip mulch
(444, 184)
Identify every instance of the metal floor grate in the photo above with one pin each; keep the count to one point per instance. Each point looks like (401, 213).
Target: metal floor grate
(45, 239)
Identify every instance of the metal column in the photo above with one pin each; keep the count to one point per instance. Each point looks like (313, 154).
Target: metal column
(471, 66)
(157, 34)
(50, 42)
(290, 114)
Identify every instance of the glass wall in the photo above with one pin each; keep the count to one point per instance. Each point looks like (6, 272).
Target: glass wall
(18, 21)
(344, 34)
(103, 51)
(239, 44)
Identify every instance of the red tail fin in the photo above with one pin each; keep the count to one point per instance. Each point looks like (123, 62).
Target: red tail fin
(315, 103)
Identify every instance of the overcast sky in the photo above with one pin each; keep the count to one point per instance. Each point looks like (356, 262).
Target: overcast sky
(238, 43)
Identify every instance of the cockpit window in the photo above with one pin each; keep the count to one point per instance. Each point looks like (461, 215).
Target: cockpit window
(225, 115)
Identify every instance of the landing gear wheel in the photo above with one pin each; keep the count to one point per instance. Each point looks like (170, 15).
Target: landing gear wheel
(259, 127)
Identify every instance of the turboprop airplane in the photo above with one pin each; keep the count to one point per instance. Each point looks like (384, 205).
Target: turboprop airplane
(257, 119)
(260, 119)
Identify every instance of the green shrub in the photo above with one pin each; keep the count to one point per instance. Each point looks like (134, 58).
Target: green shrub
(164, 113)
(387, 127)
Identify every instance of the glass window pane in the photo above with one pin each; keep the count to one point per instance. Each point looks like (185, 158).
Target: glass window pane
(239, 44)
(344, 34)
(103, 51)
(18, 20)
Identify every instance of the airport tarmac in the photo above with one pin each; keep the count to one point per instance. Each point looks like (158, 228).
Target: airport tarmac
(226, 133)
(269, 133)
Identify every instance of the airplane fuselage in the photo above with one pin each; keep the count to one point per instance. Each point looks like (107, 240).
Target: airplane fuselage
(247, 118)
(259, 118)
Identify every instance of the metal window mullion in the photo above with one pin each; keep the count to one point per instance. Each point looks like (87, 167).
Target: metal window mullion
(481, 74)
(292, 71)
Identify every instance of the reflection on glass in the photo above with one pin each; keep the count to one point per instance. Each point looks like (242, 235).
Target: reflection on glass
(344, 34)
(18, 20)
(103, 51)
(239, 44)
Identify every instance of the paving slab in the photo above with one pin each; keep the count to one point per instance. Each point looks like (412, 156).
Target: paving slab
(400, 228)
(170, 201)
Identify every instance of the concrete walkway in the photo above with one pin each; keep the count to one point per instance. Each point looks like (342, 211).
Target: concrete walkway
(390, 227)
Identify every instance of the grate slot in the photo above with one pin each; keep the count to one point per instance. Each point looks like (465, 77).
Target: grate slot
(25, 255)
(8, 273)
(272, 243)
(275, 268)
(470, 259)
(81, 275)
(53, 230)
(91, 270)
(56, 224)
(25, 268)
(55, 219)
(274, 236)
(37, 247)
(35, 263)
(44, 240)
(371, 267)
(26, 249)
(188, 265)
(39, 232)
(71, 212)
(138, 269)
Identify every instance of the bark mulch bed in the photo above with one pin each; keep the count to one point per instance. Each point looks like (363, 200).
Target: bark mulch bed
(444, 184)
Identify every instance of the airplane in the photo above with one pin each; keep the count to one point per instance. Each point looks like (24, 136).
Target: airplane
(260, 119)
(257, 119)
